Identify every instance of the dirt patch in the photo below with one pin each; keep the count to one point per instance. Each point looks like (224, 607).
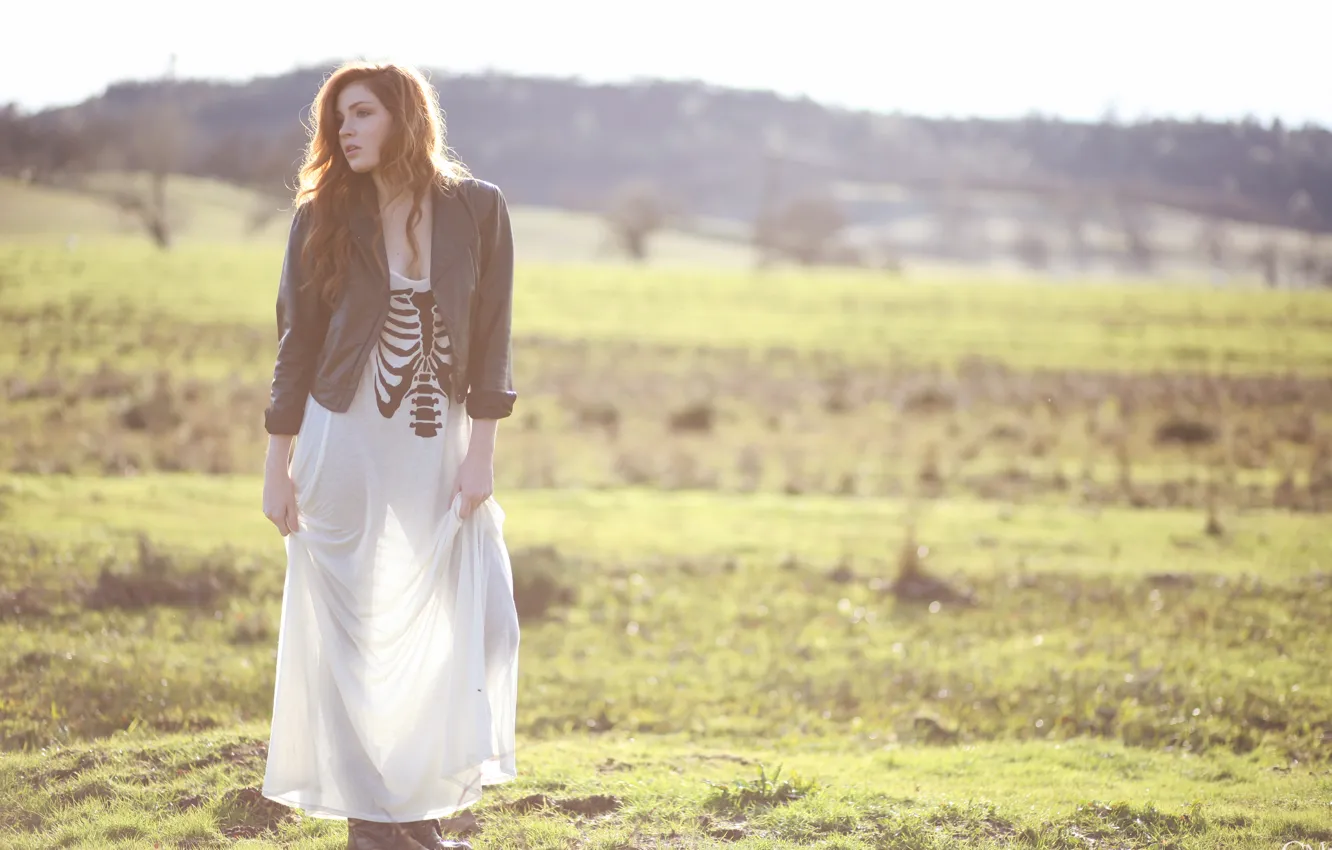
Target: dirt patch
(1188, 432)
(131, 591)
(20, 821)
(696, 418)
(158, 579)
(1171, 579)
(95, 789)
(731, 830)
(538, 586)
(242, 753)
(245, 752)
(963, 827)
(591, 806)
(734, 759)
(930, 730)
(247, 813)
(23, 603)
(464, 823)
(914, 583)
(48, 582)
(925, 399)
(603, 415)
(86, 761)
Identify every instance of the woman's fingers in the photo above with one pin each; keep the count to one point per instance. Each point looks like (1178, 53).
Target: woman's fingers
(471, 502)
(278, 522)
(280, 502)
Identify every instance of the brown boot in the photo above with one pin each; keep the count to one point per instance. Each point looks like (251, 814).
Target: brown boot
(428, 834)
(373, 835)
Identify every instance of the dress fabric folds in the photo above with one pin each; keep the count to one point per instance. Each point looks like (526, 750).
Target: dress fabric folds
(397, 665)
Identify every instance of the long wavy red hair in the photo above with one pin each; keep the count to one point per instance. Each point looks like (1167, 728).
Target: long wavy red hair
(415, 157)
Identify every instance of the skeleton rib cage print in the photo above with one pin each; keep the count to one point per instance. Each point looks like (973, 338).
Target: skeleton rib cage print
(412, 359)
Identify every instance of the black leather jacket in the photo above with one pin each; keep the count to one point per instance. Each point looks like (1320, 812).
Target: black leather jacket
(322, 351)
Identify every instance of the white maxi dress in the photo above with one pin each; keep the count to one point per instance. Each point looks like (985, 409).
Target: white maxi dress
(397, 663)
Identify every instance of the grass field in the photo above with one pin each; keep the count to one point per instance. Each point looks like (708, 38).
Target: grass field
(824, 560)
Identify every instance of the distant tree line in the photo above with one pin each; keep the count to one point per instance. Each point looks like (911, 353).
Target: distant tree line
(568, 143)
(612, 148)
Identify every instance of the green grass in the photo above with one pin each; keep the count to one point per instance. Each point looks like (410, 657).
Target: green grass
(198, 791)
(713, 484)
(938, 321)
(118, 290)
(827, 383)
(1082, 674)
(974, 536)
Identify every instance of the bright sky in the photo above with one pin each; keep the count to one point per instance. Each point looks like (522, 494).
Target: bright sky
(950, 57)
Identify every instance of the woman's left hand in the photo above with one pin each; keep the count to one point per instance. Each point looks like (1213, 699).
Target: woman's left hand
(476, 482)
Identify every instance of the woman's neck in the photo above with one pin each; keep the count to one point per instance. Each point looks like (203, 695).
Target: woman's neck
(387, 195)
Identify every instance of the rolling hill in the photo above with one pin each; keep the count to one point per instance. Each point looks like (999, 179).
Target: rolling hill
(723, 152)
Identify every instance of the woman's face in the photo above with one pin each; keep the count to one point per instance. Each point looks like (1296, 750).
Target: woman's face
(363, 126)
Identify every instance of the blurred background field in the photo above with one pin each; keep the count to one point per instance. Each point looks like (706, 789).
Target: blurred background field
(875, 480)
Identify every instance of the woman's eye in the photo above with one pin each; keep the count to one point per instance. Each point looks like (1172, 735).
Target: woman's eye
(362, 113)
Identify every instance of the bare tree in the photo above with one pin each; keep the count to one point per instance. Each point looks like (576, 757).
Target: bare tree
(770, 190)
(1267, 259)
(1073, 212)
(804, 229)
(958, 225)
(156, 138)
(1032, 247)
(1214, 243)
(636, 211)
(150, 140)
(1135, 224)
(1309, 263)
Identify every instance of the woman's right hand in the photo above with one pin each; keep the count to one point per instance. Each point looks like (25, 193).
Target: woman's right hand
(280, 491)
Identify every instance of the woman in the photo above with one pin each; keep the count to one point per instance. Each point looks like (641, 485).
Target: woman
(398, 652)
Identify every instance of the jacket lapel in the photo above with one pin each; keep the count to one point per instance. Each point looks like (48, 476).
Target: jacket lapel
(450, 245)
(370, 245)
(451, 234)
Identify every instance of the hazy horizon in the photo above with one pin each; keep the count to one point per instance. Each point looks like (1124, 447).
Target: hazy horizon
(1182, 59)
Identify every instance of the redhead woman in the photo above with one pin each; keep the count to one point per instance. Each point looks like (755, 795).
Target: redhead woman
(396, 677)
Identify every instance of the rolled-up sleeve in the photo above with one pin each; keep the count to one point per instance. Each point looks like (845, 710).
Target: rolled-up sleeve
(302, 321)
(490, 367)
